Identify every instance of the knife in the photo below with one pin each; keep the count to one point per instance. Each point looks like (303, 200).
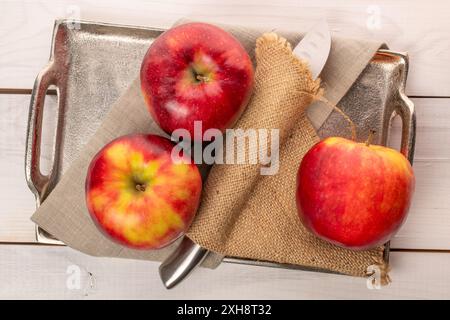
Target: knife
(314, 48)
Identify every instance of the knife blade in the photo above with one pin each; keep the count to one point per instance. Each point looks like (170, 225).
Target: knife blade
(314, 48)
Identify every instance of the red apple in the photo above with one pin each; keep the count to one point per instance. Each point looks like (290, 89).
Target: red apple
(138, 196)
(352, 194)
(196, 72)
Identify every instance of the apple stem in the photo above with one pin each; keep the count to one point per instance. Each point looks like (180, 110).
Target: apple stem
(201, 78)
(140, 187)
(370, 137)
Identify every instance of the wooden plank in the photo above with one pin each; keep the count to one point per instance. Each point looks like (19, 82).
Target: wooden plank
(416, 27)
(39, 272)
(428, 222)
(427, 226)
(17, 201)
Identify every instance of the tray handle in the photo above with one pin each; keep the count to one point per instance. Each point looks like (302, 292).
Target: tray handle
(39, 183)
(405, 109)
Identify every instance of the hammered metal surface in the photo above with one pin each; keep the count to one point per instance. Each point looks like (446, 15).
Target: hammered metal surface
(89, 60)
(100, 65)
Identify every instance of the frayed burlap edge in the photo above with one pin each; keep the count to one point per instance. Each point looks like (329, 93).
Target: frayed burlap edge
(270, 40)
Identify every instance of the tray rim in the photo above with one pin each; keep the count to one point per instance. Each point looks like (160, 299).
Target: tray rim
(42, 237)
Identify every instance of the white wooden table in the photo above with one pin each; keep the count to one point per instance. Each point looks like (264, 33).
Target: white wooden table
(420, 252)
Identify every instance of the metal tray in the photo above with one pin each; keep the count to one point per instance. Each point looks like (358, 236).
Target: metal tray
(89, 59)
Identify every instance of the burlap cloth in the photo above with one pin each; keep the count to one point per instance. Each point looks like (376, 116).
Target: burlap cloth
(242, 213)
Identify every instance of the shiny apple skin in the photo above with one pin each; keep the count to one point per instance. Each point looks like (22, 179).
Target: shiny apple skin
(157, 212)
(353, 195)
(174, 96)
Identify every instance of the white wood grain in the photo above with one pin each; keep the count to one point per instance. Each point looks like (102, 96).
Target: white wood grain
(427, 226)
(419, 27)
(39, 272)
(16, 200)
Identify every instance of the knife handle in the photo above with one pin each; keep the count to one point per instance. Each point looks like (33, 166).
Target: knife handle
(186, 257)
